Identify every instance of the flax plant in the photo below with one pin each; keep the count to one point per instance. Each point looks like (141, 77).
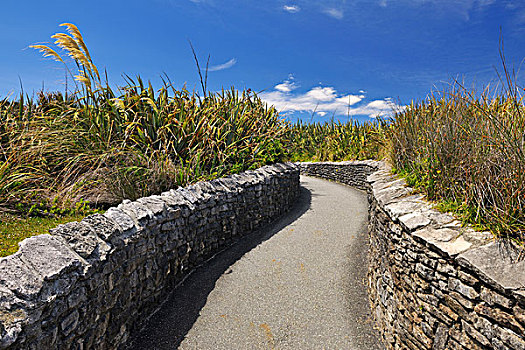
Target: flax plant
(336, 141)
(102, 144)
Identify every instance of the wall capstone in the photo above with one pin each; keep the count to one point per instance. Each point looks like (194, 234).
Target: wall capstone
(433, 284)
(88, 284)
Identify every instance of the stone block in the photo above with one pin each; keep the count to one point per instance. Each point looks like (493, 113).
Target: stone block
(405, 206)
(48, 257)
(440, 338)
(500, 317)
(519, 314)
(445, 240)
(510, 339)
(496, 264)
(155, 204)
(413, 221)
(123, 220)
(139, 213)
(454, 305)
(473, 333)
(69, 323)
(80, 237)
(463, 289)
(103, 226)
(390, 194)
(493, 298)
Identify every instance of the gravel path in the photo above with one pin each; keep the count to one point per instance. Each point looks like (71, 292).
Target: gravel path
(298, 285)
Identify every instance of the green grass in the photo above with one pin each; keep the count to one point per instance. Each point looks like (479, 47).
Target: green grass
(14, 229)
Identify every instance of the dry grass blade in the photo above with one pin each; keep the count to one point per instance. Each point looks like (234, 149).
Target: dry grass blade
(47, 52)
(73, 30)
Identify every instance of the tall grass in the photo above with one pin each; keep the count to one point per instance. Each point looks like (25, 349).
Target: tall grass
(336, 141)
(468, 152)
(101, 145)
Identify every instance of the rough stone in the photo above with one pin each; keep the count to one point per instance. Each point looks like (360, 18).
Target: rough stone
(413, 221)
(391, 193)
(440, 338)
(453, 304)
(49, 257)
(511, 339)
(463, 289)
(500, 317)
(102, 226)
(493, 298)
(19, 278)
(124, 221)
(472, 332)
(91, 283)
(496, 265)
(446, 240)
(519, 314)
(69, 323)
(80, 237)
(397, 209)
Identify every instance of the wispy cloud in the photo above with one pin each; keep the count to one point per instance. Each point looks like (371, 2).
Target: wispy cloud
(291, 8)
(226, 65)
(287, 85)
(335, 13)
(324, 100)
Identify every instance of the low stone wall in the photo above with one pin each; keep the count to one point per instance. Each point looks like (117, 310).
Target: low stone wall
(89, 284)
(433, 284)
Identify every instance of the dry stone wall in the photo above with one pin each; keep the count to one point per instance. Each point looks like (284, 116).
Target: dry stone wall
(88, 284)
(432, 283)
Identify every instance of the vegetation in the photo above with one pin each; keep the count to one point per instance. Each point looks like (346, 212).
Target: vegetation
(101, 146)
(467, 152)
(63, 156)
(14, 229)
(336, 141)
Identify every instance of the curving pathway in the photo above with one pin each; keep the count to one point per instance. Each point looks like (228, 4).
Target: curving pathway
(300, 284)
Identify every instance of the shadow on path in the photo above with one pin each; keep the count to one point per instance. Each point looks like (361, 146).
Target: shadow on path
(169, 325)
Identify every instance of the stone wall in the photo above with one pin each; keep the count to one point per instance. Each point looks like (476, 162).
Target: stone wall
(433, 284)
(89, 284)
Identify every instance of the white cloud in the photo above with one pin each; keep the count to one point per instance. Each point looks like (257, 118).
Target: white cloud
(287, 85)
(377, 108)
(322, 94)
(383, 3)
(284, 87)
(324, 100)
(335, 13)
(291, 8)
(226, 65)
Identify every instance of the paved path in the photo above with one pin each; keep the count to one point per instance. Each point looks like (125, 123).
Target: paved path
(298, 285)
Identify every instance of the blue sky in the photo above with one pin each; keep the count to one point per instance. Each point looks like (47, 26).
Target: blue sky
(335, 57)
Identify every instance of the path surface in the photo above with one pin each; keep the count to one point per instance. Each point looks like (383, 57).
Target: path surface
(298, 285)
